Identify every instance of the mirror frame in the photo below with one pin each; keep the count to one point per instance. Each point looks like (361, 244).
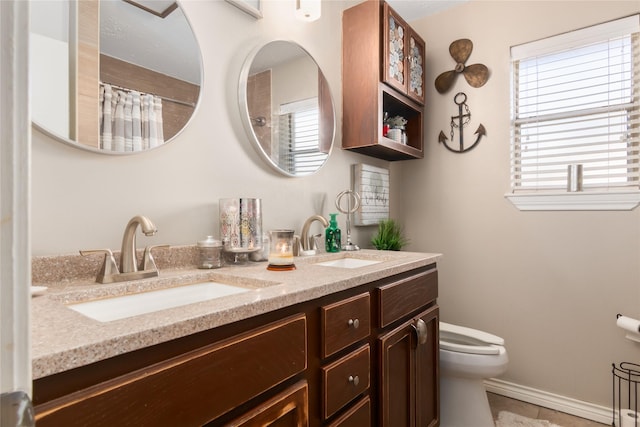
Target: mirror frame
(84, 147)
(244, 107)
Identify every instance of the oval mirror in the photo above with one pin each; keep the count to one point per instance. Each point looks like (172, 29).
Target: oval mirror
(113, 76)
(286, 108)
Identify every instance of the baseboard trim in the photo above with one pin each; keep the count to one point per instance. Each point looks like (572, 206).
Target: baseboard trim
(565, 404)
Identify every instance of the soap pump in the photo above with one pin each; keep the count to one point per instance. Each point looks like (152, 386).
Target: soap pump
(332, 234)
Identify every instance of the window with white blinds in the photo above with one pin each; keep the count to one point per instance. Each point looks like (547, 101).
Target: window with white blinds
(576, 101)
(299, 134)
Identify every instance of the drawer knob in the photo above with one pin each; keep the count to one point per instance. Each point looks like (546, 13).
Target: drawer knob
(355, 323)
(420, 328)
(354, 380)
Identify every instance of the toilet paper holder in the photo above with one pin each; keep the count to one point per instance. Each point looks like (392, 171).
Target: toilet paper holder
(626, 377)
(632, 326)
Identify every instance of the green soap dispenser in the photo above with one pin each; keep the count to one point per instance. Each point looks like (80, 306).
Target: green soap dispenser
(333, 235)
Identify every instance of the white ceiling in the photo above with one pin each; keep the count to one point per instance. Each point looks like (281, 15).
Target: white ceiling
(410, 10)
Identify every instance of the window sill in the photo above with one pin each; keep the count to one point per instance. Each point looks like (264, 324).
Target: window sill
(578, 201)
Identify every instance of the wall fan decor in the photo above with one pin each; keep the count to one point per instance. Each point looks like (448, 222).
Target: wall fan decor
(476, 74)
(459, 122)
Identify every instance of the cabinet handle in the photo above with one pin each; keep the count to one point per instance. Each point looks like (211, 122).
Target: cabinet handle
(355, 323)
(354, 380)
(420, 327)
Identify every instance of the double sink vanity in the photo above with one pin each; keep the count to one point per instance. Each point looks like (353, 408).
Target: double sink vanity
(346, 339)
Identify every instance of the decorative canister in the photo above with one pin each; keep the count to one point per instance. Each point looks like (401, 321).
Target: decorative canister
(241, 225)
(209, 253)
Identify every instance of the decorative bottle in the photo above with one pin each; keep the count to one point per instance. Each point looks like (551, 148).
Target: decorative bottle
(332, 235)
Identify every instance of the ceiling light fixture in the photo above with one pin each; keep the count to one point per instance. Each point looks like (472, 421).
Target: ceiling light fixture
(308, 10)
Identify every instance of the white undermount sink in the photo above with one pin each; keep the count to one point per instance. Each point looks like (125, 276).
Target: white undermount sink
(348, 263)
(121, 307)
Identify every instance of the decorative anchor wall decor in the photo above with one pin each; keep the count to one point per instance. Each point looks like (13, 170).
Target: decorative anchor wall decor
(459, 122)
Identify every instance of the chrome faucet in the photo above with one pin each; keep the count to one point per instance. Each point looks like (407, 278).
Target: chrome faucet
(128, 262)
(307, 241)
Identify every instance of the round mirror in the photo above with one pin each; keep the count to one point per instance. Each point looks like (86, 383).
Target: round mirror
(113, 76)
(286, 108)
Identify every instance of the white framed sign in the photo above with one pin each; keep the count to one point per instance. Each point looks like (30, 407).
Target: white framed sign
(372, 184)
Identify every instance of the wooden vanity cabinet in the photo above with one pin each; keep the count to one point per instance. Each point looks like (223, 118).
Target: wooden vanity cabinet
(349, 359)
(383, 62)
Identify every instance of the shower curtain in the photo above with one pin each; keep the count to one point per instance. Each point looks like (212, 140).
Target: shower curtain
(129, 121)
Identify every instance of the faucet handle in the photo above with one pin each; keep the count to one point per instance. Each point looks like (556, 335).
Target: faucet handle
(297, 245)
(109, 266)
(148, 263)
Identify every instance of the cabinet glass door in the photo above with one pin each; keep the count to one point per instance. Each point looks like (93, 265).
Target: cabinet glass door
(415, 64)
(394, 50)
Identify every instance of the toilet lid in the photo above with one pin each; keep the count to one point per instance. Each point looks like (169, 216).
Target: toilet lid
(466, 340)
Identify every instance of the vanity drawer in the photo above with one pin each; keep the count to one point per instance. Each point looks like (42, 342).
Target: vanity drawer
(344, 380)
(345, 323)
(406, 296)
(357, 416)
(191, 389)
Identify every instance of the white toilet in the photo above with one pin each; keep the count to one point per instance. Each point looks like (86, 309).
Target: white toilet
(467, 357)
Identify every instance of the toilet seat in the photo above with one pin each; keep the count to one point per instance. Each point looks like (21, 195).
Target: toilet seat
(466, 340)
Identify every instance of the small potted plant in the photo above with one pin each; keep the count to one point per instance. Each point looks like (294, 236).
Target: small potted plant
(390, 236)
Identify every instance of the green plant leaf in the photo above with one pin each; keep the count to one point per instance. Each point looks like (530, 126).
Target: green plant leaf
(389, 237)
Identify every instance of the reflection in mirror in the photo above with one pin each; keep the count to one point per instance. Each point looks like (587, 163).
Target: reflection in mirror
(110, 75)
(286, 108)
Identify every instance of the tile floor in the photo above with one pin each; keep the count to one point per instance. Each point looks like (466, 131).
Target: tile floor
(500, 403)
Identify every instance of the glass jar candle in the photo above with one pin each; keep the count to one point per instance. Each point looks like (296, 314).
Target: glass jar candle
(281, 250)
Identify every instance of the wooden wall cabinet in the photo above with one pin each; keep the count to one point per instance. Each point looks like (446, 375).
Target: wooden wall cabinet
(382, 72)
(367, 356)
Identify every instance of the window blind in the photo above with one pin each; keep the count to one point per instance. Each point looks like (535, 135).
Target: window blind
(576, 101)
(299, 137)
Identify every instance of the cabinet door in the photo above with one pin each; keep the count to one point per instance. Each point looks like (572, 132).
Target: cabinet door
(415, 64)
(409, 378)
(394, 72)
(427, 355)
(288, 409)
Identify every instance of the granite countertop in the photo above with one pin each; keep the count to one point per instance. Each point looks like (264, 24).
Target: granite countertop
(64, 339)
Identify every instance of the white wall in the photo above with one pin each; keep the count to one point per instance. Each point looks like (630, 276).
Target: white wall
(83, 200)
(550, 283)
